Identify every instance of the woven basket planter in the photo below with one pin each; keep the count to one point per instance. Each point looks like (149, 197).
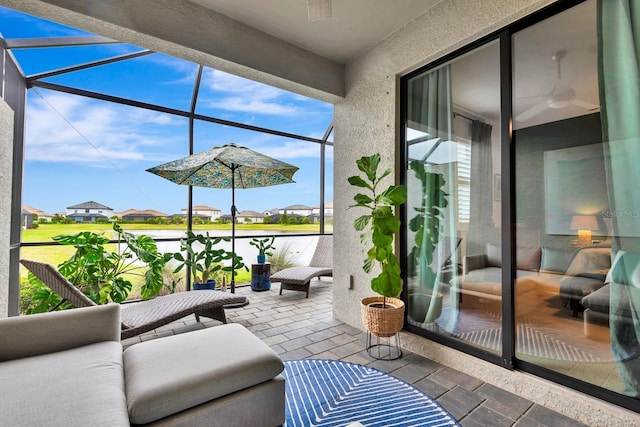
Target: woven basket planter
(382, 322)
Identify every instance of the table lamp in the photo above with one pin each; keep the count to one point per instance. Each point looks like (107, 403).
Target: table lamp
(584, 224)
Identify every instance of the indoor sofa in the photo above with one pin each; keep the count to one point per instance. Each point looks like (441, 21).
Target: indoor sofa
(597, 305)
(482, 278)
(67, 368)
(539, 270)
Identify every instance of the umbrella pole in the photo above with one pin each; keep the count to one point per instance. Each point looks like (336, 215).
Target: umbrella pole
(233, 230)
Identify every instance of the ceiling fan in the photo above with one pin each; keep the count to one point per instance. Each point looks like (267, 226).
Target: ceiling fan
(556, 99)
(318, 10)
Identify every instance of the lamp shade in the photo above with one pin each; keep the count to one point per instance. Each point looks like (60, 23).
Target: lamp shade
(584, 222)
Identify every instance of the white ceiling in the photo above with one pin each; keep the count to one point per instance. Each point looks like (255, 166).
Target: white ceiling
(354, 27)
(357, 25)
(476, 76)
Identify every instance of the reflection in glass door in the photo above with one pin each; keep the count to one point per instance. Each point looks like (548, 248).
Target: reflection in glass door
(577, 293)
(454, 274)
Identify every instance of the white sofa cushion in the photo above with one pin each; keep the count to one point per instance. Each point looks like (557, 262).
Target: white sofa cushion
(194, 368)
(82, 386)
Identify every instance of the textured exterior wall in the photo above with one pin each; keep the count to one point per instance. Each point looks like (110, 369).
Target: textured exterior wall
(366, 122)
(6, 165)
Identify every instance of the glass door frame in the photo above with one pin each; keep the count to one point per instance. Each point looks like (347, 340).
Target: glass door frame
(508, 358)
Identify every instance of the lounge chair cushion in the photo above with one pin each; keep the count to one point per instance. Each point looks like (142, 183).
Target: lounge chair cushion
(82, 386)
(142, 316)
(321, 264)
(300, 275)
(150, 314)
(220, 361)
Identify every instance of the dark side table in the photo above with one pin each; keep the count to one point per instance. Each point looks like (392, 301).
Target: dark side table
(260, 277)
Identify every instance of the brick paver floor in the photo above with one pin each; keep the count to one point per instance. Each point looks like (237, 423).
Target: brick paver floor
(298, 328)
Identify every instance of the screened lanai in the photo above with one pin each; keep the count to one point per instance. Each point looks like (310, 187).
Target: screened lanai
(98, 112)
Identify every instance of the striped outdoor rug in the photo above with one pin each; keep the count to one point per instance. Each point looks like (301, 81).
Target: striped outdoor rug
(333, 393)
(530, 342)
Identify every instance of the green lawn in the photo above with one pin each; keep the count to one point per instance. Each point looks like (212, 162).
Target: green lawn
(46, 231)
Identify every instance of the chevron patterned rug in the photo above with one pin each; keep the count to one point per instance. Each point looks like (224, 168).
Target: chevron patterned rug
(333, 393)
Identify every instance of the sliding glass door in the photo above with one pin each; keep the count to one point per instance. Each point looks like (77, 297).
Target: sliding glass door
(554, 108)
(453, 211)
(576, 197)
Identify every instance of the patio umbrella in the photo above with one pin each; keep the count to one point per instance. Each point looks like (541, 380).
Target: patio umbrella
(229, 166)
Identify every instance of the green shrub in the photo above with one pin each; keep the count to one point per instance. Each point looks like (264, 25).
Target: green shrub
(99, 273)
(282, 258)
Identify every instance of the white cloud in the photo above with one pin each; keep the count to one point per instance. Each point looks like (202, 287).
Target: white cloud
(187, 69)
(252, 105)
(245, 95)
(292, 150)
(72, 129)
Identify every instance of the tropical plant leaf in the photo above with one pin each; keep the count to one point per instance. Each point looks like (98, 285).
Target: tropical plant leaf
(369, 165)
(393, 196)
(362, 199)
(361, 222)
(359, 182)
(368, 265)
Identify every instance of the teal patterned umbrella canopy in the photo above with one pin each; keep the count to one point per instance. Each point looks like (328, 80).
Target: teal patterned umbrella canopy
(229, 166)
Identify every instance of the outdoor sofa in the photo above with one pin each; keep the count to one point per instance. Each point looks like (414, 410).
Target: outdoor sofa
(67, 368)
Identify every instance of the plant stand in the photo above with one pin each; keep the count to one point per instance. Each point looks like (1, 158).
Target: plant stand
(383, 326)
(260, 277)
(384, 348)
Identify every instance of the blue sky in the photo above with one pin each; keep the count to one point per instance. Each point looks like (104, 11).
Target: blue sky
(79, 149)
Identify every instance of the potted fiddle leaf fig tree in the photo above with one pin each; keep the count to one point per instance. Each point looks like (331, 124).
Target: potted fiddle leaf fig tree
(425, 301)
(382, 315)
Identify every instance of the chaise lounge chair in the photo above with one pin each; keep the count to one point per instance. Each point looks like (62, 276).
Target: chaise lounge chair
(299, 278)
(147, 315)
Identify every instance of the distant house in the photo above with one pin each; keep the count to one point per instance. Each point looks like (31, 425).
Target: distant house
(41, 215)
(299, 210)
(250, 216)
(27, 219)
(203, 211)
(88, 212)
(136, 215)
(328, 210)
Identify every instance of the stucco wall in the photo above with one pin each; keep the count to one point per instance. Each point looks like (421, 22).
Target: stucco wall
(366, 122)
(6, 162)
